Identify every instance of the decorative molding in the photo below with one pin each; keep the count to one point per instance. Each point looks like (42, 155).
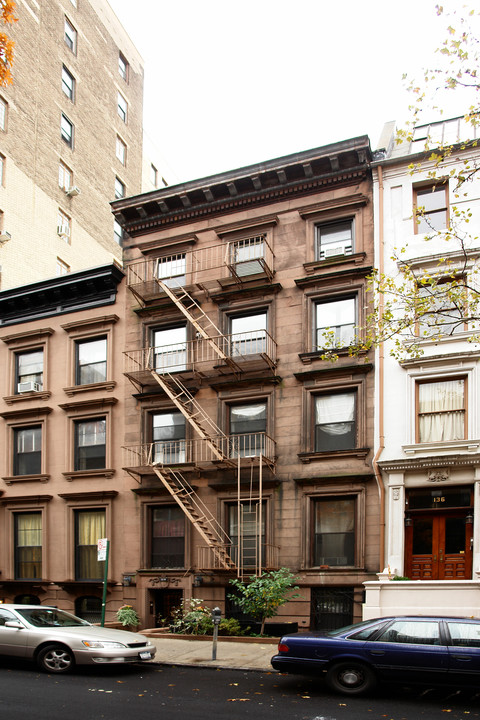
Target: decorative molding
(22, 397)
(108, 386)
(12, 479)
(78, 324)
(438, 475)
(107, 474)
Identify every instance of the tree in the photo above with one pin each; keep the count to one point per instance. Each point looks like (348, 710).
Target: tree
(425, 301)
(262, 596)
(7, 17)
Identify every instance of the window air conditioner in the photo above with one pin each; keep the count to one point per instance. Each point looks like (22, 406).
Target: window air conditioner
(63, 230)
(4, 237)
(73, 191)
(30, 386)
(338, 250)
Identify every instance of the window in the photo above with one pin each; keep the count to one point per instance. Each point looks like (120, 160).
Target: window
(172, 270)
(27, 454)
(431, 208)
(248, 425)
(247, 255)
(89, 529)
(441, 410)
(62, 268)
(248, 334)
(334, 239)
(334, 324)
(334, 531)
(417, 632)
(29, 371)
(90, 444)
(167, 537)
(153, 175)
(89, 608)
(441, 303)
(119, 189)
(63, 226)
(117, 232)
(2, 170)
(168, 434)
(122, 107)
(70, 36)
(170, 349)
(65, 177)
(28, 545)
(66, 131)
(90, 361)
(68, 84)
(121, 150)
(3, 114)
(335, 426)
(246, 529)
(123, 67)
(464, 634)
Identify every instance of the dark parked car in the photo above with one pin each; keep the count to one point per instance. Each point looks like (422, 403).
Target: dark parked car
(416, 649)
(57, 640)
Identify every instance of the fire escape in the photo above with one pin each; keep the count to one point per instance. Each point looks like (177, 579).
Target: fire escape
(175, 278)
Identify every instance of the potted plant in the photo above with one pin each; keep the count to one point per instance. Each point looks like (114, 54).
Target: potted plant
(128, 616)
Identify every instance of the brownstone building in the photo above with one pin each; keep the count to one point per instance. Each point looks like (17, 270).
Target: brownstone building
(70, 139)
(61, 417)
(248, 449)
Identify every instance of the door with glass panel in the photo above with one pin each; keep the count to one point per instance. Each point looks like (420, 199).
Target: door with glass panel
(170, 349)
(438, 541)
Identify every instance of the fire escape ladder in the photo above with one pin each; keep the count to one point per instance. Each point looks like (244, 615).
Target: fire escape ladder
(203, 425)
(198, 514)
(201, 322)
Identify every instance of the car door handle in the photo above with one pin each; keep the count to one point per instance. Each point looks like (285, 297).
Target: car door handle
(377, 652)
(464, 658)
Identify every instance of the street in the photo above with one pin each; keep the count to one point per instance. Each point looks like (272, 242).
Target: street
(204, 693)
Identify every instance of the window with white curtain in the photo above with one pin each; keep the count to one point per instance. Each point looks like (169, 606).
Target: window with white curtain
(441, 410)
(335, 421)
(168, 435)
(89, 529)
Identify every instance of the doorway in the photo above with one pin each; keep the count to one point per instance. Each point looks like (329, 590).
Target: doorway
(165, 602)
(438, 534)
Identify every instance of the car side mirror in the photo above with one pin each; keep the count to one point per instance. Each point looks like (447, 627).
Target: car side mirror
(14, 624)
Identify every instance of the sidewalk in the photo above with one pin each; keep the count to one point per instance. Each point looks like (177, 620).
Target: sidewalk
(238, 654)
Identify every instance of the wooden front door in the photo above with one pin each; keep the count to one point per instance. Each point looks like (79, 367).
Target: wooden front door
(438, 546)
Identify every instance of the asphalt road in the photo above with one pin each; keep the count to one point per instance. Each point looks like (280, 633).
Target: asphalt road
(174, 693)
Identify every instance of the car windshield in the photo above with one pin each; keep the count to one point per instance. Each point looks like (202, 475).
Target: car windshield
(50, 617)
(355, 627)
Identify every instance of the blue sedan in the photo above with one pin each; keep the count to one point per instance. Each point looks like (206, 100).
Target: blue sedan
(409, 649)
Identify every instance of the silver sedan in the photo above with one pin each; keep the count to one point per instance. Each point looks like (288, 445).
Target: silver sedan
(57, 640)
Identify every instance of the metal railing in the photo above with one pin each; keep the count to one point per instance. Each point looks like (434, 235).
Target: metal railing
(199, 451)
(237, 259)
(207, 560)
(245, 346)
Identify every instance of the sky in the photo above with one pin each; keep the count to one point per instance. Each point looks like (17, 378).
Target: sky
(229, 84)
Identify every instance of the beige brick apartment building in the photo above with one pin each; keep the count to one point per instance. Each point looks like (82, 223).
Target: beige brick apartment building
(247, 449)
(70, 139)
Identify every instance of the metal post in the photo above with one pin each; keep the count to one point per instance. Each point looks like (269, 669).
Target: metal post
(105, 576)
(216, 617)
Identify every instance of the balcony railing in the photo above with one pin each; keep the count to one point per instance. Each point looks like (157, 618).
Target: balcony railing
(199, 452)
(249, 350)
(238, 261)
(208, 560)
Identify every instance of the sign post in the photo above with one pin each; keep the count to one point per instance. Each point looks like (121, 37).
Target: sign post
(103, 549)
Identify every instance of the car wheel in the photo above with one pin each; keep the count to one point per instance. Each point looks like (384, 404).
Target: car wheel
(350, 678)
(56, 659)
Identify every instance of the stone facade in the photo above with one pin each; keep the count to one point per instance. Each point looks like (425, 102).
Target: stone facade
(50, 81)
(303, 490)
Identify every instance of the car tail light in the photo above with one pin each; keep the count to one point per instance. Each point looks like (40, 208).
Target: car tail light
(283, 648)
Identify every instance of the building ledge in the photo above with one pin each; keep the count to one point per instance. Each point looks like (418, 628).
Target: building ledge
(23, 397)
(108, 386)
(12, 479)
(107, 474)
(307, 457)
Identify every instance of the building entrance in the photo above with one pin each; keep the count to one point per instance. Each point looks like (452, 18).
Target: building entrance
(438, 534)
